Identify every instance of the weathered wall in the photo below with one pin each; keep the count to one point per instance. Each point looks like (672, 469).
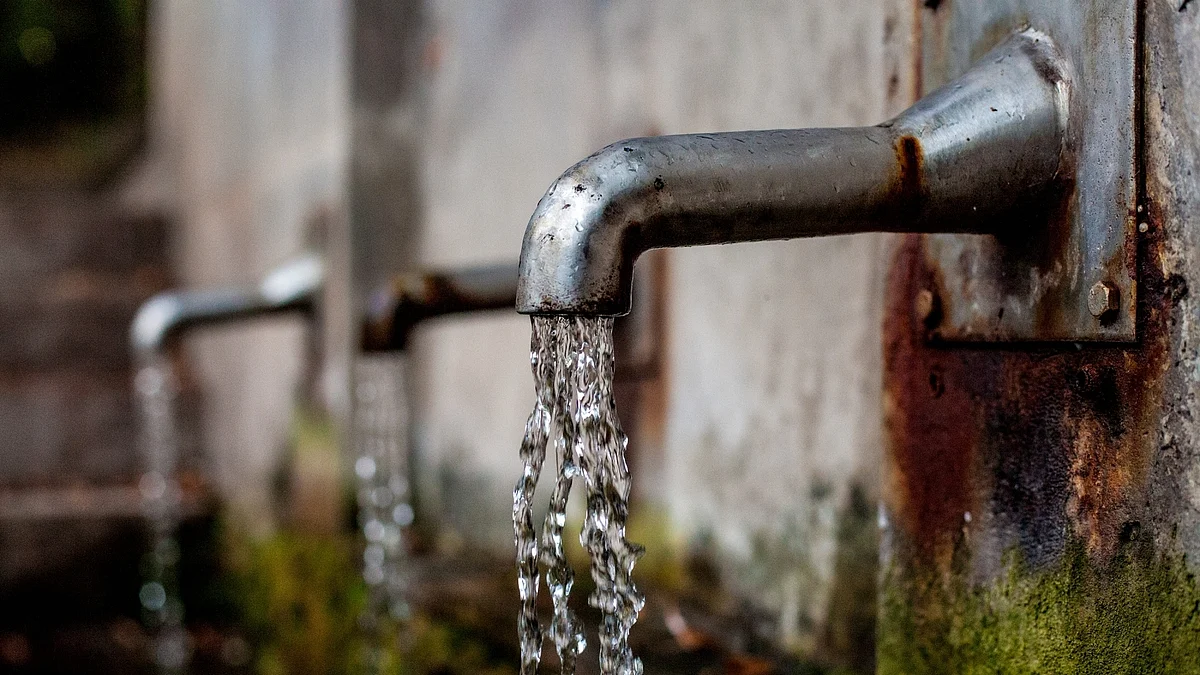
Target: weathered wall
(248, 141)
(1041, 502)
(771, 353)
(76, 264)
(765, 414)
(514, 97)
(772, 410)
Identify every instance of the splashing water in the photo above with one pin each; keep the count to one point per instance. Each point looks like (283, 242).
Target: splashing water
(572, 359)
(381, 465)
(533, 454)
(155, 388)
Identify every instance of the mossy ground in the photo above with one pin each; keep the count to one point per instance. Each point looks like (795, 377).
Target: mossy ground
(300, 598)
(677, 574)
(297, 595)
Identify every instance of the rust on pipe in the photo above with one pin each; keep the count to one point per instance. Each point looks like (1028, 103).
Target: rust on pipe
(397, 308)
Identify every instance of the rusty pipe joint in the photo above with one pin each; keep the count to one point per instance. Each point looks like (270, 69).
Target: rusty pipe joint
(968, 158)
(292, 287)
(394, 310)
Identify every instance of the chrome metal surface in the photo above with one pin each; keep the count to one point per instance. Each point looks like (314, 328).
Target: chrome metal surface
(1037, 288)
(984, 154)
(292, 287)
(397, 308)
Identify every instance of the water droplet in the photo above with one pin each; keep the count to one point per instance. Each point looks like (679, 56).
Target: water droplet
(364, 467)
(381, 442)
(155, 390)
(400, 611)
(153, 596)
(398, 485)
(150, 381)
(402, 515)
(373, 530)
(381, 497)
(373, 575)
(172, 649)
(374, 555)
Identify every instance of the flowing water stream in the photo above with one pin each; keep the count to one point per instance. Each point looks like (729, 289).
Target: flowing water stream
(574, 417)
(155, 387)
(381, 465)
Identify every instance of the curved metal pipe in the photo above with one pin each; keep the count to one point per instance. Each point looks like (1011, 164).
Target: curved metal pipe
(984, 146)
(292, 287)
(394, 310)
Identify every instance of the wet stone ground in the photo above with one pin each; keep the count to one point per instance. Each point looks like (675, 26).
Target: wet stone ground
(471, 598)
(675, 634)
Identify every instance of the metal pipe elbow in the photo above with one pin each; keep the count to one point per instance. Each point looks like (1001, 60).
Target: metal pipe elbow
(292, 287)
(395, 309)
(584, 236)
(295, 285)
(157, 319)
(165, 316)
(964, 159)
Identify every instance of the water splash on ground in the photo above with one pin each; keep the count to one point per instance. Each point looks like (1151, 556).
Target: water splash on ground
(572, 359)
(156, 388)
(381, 467)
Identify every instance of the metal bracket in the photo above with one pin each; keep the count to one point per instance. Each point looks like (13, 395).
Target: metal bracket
(1073, 278)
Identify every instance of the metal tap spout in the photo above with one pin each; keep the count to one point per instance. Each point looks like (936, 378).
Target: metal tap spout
(394, 310)
(970, 157)
(292, 287)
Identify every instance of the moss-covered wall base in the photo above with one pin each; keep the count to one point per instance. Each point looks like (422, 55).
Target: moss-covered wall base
(1138, 613)
(1042, 502)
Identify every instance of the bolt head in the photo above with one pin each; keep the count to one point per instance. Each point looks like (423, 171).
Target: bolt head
(1103, 299)
(926, 306)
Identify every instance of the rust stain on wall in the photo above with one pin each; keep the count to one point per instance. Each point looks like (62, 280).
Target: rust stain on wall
(928, 416)
(1049, 440)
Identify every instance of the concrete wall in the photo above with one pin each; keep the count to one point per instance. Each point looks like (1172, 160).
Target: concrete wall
(248, 144)
(515, 96)
(772, 367)
(767, 412)
(773, 371)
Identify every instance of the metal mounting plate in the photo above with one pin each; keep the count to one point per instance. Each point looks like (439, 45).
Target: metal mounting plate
(1038, 289)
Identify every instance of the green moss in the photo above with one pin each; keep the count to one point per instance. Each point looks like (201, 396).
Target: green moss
(849, 639)
(313, 432)
(299, 600)
(1139, 613)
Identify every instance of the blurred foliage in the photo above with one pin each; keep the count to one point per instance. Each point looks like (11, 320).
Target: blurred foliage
(663, 565)
(64, 61)
(300, 601)
(312, 491)
(73, 73)
(70, 61)
(298, 593)
(443, 649)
